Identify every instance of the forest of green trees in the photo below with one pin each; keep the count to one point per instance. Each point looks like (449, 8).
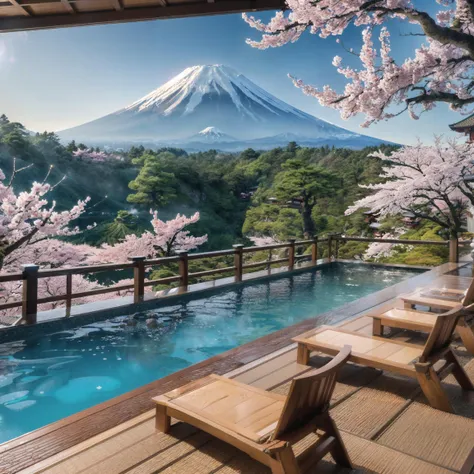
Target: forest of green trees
(290, 192)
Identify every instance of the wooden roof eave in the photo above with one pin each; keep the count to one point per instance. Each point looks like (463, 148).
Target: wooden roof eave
(463, 125)
(27, 21)
(461, 129)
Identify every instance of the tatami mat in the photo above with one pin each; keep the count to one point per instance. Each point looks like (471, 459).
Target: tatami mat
(435, 436)
(374, 458)
(369, 409)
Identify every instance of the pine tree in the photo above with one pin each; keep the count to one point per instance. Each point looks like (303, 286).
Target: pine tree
(308, 183)
(153, 186)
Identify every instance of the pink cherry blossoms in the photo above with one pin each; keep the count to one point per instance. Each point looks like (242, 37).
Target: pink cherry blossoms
(377, 250)
(97, 156)
(29, 223)
(49, 253)
(27, 217)
(168, 237)
(430, 182)
(440, 70)
(263, 241)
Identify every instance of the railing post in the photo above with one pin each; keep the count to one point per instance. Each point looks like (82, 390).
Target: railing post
(270, 255)
(329, 246)
(138, 278)
(291, 254)
(337, 238)
(238, 261)
(333, 236)
(314, 251)
(453, 251)
(183, 268)
(68, 294)
(30, 293)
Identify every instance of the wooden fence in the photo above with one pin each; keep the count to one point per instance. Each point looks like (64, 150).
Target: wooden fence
(334, 240)
(31, 274)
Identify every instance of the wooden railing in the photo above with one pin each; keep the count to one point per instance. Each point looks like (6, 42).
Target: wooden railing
(31, 273)
(334, 241)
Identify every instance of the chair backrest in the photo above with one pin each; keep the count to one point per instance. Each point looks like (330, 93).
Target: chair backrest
(442, 332)
(469, 295)
(310, 395)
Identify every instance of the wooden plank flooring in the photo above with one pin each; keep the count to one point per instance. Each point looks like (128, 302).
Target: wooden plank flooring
(386, 430)
(385, 422)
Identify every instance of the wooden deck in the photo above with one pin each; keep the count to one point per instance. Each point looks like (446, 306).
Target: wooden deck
(386, 423)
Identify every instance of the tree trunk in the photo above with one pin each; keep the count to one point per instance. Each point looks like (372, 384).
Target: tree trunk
(308, 224)
(454, 244)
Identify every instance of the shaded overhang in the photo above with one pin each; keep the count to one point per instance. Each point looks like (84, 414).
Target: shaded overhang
(463, 125)
(25, 15)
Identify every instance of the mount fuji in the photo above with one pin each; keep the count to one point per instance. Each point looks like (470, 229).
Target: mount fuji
(183, 110)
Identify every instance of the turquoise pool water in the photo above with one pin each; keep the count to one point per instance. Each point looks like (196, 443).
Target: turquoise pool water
(48, 377)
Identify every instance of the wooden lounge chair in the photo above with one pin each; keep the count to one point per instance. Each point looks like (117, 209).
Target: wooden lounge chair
(438, 298)
(263, 424)
(409, 318)
(418, 321)
(399, 357)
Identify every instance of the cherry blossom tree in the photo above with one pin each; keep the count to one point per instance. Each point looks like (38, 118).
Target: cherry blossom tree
(378, 250)
(28, 225)
(97, 156)
(441, 69)
(167, 238)
(430, 182)
(262, 241)
(49, 253)
(27, 218)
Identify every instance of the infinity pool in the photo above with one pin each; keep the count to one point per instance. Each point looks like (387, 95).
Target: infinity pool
(48, 377)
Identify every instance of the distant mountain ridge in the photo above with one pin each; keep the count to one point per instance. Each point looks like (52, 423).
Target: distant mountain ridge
(185, 108)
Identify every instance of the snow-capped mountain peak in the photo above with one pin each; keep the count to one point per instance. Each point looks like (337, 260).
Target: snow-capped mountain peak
(188, 89)
(212, 135)
(203, 95)
(210, 131)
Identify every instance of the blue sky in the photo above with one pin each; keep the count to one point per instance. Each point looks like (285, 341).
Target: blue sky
(55, 79)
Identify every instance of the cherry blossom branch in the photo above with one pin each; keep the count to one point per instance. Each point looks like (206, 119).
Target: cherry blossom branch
(439, 72)
(167, 238)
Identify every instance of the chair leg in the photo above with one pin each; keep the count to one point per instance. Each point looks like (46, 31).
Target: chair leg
(467, 335)
(339, 452)
(285, 462)
(459, 373)
(302, 354)
(162, 420)
(377, 328)
(432, 388)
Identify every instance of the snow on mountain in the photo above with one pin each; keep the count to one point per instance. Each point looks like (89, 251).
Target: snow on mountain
(201, 95)
(190, 88)
(211, 131)
(211, 135)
